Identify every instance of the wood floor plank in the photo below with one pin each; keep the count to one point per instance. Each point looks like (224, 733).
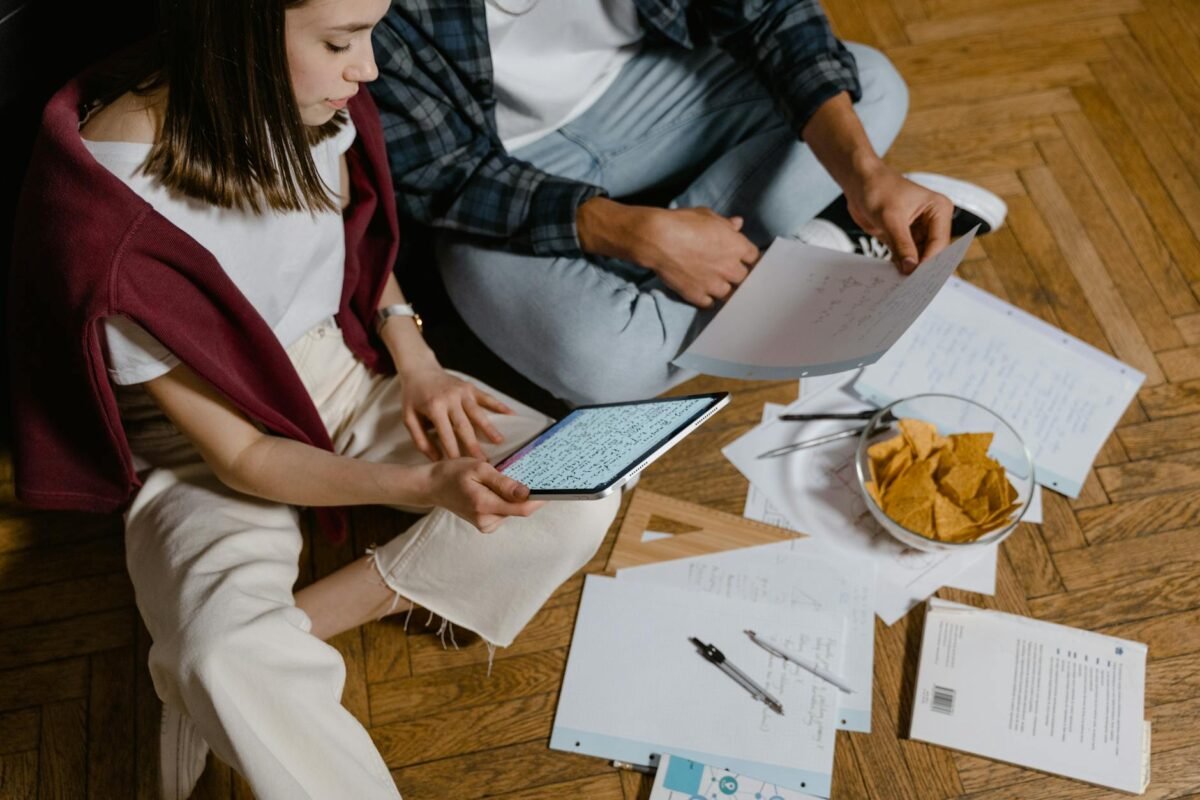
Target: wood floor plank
(1157, 141)
(550, 629)
(455, 733)
(111, 725)
(1125, 602)
(77, 635)
(978, 88)
(1031, 562)
(984, 113)
(495, 771)
(1189, 328)
(1129, 559)
(1077, 42)
(1113, 313)
(48, 602)
(39, 684)
(1018, 18)
(1160, 437)
(18, 775)
(600, 787)
(20, 731)
(1152, 476)
(1118, 143)
(979, 774)
(1169, 680)
(385, 648)
(1175, 725)
(1171, 400)
(1177, 96)
(1122, 265)
(1021, 286)
(62, 752)
(1141, 516)
(1152, 253)
(1060, 528)
(1046, 260)
(466, 687)
(1181, 364)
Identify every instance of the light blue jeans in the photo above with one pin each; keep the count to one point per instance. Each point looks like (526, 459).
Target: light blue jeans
(594, 330)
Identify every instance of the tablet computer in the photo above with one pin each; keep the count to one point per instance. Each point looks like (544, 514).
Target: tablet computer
(595, 449)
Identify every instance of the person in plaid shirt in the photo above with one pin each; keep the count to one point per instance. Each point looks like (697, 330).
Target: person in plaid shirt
(599, 173)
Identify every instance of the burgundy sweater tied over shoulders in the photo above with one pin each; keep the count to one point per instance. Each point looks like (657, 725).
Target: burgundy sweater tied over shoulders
(87, 247)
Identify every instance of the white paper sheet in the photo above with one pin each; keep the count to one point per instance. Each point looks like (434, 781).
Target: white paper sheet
(683, 779)
(809, 576)
(1046, 696)
(809, 310)
(635, 687)
(816, 492)
(1063, 396)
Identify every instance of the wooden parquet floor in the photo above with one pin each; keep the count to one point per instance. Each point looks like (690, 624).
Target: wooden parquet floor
(1085, 116)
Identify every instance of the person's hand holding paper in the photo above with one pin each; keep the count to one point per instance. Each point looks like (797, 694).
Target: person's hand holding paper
(808, 310)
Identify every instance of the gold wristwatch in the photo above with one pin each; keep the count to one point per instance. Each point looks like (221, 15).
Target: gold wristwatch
(396, 310)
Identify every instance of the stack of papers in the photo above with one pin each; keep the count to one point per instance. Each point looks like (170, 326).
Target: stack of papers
(1033, 693)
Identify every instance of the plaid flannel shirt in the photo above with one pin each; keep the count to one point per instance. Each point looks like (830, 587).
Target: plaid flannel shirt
(437, 102)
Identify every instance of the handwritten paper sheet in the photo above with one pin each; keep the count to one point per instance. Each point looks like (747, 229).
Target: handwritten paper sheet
(635, 687)
(805, 575)
(1057, 699)
(1062, 395)
(816, 492)
(808, 310)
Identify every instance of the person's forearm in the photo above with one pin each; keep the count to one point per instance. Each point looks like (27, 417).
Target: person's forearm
(286, 471)
(401, 335)
(616, 230)
(840, 143)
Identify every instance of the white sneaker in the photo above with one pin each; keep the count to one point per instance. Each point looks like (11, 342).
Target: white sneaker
(973, 205)
(181, 755)
(823, 233)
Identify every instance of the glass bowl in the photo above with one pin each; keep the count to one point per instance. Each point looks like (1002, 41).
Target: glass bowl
(951, 414)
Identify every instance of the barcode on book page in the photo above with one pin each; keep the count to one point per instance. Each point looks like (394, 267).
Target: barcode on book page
(943, 700)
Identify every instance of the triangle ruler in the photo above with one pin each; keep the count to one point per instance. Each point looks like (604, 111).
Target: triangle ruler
(716, 532)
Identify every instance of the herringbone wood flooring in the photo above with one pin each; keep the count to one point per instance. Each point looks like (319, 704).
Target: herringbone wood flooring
(1085, 116)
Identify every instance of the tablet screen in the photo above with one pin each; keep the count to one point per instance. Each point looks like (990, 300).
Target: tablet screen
(595, 445)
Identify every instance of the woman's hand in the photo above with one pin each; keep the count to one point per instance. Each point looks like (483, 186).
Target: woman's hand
(455, 409)
(475, 491)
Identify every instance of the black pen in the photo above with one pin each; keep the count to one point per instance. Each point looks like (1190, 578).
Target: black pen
(716, 657)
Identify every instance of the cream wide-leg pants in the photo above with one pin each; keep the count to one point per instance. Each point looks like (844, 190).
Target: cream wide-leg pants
(213, 572)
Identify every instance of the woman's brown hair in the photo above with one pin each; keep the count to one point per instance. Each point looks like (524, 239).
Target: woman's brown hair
(232, 134)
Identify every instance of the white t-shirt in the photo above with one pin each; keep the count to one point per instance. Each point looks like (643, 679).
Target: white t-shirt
(553, 59)
(289, 265)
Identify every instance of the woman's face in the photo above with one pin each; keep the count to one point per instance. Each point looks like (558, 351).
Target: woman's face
(329, 53)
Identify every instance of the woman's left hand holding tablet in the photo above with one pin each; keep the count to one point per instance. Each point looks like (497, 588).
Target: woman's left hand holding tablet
(455, 409)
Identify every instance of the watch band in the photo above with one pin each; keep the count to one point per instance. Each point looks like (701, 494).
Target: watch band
(397, 310)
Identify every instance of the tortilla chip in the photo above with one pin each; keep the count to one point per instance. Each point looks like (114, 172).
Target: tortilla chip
(948, 519)
(920, 436)
(916, 481)
(976, 508)
(971, 448)
(917, 517)
(895, 468)
(873, 490)
(961, 483)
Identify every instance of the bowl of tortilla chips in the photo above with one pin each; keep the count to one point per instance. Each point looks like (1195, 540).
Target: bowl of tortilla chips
(940, 472)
